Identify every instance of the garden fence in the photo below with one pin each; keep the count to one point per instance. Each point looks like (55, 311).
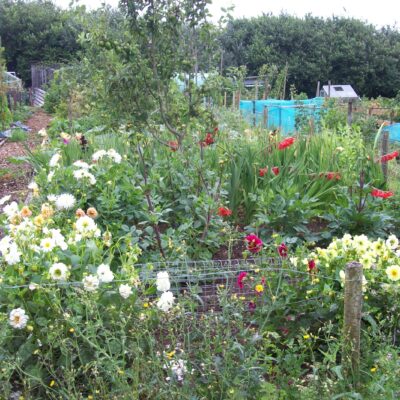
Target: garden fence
(285, 115)
(213, 287)
(290, 116)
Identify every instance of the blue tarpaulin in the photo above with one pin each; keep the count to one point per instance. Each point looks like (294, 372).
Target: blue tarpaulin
(284, 114)
(281, 114)
(394, 132)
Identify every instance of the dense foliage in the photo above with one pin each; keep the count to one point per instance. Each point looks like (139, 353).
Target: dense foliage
(99, 291)
(37, 32)
(345, 51)
(171, 251)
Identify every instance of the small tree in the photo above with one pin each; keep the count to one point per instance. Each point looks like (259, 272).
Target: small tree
(5, 114)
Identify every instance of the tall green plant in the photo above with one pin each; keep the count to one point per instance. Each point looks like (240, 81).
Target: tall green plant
(5, 114)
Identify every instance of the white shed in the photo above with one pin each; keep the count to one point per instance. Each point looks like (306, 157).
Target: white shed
(344, 92)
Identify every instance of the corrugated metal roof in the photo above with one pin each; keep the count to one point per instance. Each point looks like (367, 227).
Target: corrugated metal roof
(11, 80)
(340, 91)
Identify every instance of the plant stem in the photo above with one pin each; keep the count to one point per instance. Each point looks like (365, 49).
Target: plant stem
(150, 204)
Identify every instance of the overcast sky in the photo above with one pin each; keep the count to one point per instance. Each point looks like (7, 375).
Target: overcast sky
(378, 12)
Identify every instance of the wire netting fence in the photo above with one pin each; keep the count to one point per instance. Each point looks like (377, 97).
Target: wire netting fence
(209, 283)
(291, 116)
(285, 115)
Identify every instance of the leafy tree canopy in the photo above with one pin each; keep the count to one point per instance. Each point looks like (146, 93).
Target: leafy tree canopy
(346, 51)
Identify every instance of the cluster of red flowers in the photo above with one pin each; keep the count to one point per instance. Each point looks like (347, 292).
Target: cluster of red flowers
(254, 243)
(283, 250)
(173, 145)
(264, 171)
(286, 143)
(224, 212)
(390, 156)
(311, 265)
(332, 176)
(381, 193)
(209, 138)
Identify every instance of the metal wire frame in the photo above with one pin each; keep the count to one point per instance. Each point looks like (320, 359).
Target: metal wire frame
(208, 286)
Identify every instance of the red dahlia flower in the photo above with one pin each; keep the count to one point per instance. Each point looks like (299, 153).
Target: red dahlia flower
(381, 193)
(224, 212)
(286, 143)
(311, 265)
(283, 250)
(390, 156)
(240, 279)
(262, 171)
(332, 176)
(254, 243)
(209, 139)
(275, 170)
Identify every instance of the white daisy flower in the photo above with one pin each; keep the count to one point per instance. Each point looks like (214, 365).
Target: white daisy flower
(166, 301)
(104, 273)
(98, 155)
(163, 283)
(79, 174)
(114, 155)
(59, 239)
(59, 272)
(5, 244)
(18, 318)
(11, 210)
(83, 174)
(392, 242)
(81, 164)
(65, 201)
(125, 291)
(91, 178)
(13, 256)
(47, 244)
(86, 227)
(90, 283)
(55, 159)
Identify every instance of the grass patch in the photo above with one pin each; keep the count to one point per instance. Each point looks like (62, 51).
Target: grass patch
(18, 135)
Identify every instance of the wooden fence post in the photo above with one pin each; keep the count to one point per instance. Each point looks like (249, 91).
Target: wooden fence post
(350, 113)
(352, 319)
(256, 91)
(385, 149)
(312, 126)
(265, 117)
